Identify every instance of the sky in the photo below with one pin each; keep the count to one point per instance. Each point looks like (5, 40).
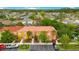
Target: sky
(39, 3)
(34, 8)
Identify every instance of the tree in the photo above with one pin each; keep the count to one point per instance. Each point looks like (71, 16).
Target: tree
(20, 24)
(12, 19)
(7, 37)
(19, 35)
(71, 30)
(65, 40)
(43, 37)
(1, 24)
(33, 17)
(78, 39)
(42, 14)
(61, 28)
(45, 22)
(76, 32)
(29, 34)
(2, 16)
(60, 17)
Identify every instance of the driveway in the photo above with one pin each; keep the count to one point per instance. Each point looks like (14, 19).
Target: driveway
(41, 48)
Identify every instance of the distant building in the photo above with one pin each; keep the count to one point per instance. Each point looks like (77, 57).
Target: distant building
(6, 22)
(76, 22)
(27, 20)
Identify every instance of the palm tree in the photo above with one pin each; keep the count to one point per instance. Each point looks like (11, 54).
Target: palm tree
(42, 14)
(28, 36)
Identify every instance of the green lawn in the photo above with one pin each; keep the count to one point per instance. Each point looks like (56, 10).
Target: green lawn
(70, 47)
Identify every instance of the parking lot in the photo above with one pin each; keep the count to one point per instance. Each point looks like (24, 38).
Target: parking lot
(34, 48)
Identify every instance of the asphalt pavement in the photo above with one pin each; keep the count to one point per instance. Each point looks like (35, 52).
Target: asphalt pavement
(35, 48)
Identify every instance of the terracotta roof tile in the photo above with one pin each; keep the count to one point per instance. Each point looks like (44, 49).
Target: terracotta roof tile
(11, 28)
(37, 28)
(27, 28)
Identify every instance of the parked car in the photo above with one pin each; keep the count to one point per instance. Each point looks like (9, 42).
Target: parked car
(9, 46)
(2, 46)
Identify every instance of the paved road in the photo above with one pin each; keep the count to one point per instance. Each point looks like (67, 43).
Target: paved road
(35, 48)
(13, 49)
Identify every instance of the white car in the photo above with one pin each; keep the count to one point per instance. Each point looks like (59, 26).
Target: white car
(11, 45)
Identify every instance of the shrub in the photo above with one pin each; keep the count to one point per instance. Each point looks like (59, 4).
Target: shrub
(12, 19)
(1, 24)
(20, 24)
(24, 47)
(7, 37)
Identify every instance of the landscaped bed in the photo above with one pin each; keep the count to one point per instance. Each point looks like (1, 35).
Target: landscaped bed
(23, 47)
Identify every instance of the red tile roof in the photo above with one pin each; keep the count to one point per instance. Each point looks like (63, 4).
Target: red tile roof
(11, 28)
(27, 28)
(37, 28)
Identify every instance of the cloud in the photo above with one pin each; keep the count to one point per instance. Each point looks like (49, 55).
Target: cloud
(31, 8)
(72, 7)
(1, 8)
